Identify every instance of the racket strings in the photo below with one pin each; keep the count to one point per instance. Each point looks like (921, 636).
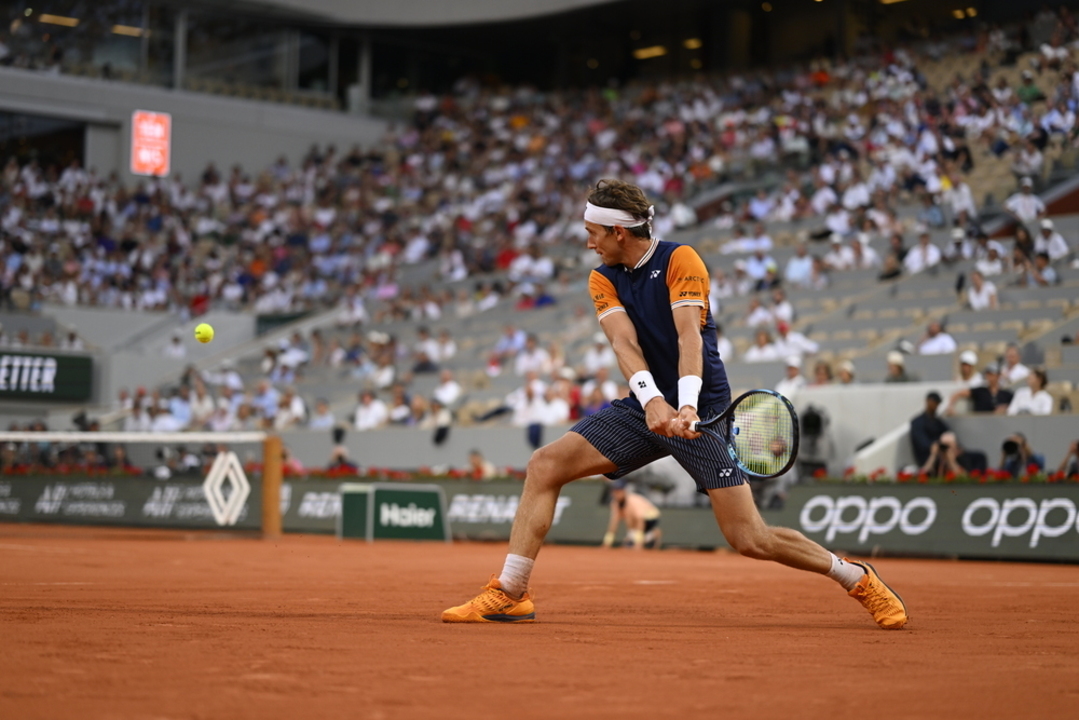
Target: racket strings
(762, 432)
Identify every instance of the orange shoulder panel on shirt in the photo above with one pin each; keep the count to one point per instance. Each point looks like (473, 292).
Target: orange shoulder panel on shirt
(687, 280)
(604, 296)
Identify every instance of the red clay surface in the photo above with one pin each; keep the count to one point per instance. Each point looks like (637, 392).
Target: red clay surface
(117, 624)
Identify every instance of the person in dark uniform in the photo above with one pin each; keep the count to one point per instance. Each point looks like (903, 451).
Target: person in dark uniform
(651, 299)
(926, 428)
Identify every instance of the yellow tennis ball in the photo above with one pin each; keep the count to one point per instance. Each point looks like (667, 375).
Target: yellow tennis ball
(204, 333)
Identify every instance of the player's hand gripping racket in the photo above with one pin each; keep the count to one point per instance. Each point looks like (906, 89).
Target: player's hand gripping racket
(760, 429)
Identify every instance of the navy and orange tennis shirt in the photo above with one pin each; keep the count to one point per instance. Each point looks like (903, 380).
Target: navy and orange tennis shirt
(670, 275)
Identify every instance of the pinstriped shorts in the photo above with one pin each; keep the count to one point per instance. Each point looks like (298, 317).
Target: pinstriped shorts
(622, 436)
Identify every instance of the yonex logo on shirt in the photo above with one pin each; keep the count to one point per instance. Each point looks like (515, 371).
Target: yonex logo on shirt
(655, 273)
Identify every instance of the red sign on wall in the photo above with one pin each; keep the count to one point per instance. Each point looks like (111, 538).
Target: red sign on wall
(151, 143)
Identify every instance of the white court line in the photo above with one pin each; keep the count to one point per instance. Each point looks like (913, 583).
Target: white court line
(655, 582)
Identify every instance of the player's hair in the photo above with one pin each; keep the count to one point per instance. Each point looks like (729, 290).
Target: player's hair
(620, 195)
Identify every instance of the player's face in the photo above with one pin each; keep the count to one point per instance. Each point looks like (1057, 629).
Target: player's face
(604, 243)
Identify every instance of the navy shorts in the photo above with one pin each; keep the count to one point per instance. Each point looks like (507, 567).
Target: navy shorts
(621, 434)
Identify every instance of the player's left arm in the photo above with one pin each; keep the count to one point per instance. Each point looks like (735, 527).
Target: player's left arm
(687, 280)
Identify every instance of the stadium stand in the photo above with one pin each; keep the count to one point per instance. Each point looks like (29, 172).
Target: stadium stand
(467, 220)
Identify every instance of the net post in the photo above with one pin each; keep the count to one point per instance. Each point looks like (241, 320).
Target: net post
(271, 487)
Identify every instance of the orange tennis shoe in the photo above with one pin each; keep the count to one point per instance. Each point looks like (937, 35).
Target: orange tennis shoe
(493, 605)
(883, 603)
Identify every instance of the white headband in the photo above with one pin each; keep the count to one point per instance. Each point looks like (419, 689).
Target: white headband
(609, 217)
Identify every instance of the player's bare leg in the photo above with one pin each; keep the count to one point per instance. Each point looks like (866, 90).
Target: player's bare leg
(505, 598)
(744, 528)
(566, 459)
(635, 526)
(746, 531)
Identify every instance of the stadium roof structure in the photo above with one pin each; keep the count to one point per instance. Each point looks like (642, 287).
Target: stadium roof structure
(418, 13)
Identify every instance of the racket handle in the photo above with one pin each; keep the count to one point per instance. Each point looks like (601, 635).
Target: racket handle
(693, 426)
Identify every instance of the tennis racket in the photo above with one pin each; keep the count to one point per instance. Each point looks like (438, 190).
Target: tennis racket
(760, 430)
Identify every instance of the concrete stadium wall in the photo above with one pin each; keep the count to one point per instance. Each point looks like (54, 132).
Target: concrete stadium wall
(205, 128)
(127, 348)
(861, 412)
(406, 448)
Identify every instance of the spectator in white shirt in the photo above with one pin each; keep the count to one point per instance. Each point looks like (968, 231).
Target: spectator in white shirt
(982, 246)
(176, 349)
(865, 257)
(839, 257)
(763, 350)
(162, 420)
(792, 343)
(969, 376)
(371, 412)
(992, 264)
(960, 198)
(936, 341)
(823, 197)
(845, 372)
(793, 381)
(1028, 161)
(757, 265)
(1050, 242)
(1012, 372)
(757, 315)
(922, 256)
(982, 294)
(426, 345)
(782, 310)
(799, 268)
(448, 391)
(600, 355)
(447, 347)
(740, 242)
(1032, 399)
(602, 381)
(532, 358)
(961, 248)
(1025, 206)
(761, 239)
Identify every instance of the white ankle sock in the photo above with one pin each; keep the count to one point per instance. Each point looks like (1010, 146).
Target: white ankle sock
(845, 573)
(515, 572)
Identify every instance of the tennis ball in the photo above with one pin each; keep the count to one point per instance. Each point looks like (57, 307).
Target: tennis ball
(204, 333)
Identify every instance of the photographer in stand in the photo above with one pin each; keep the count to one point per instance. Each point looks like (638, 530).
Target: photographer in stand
(1069, 466)
(1016, 456)
(948, 457)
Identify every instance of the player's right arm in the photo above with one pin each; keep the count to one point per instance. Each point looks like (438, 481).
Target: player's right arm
(622, 335)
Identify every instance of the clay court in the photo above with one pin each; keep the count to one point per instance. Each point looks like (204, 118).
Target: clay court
(101, 623)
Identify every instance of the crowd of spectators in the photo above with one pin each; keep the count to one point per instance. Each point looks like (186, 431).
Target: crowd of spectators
(484, 180)
(484, 185)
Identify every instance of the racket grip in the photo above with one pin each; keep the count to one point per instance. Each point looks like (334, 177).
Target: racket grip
(693, 426)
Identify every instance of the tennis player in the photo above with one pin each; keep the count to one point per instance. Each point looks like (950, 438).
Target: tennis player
(651, 299)
(640, 515)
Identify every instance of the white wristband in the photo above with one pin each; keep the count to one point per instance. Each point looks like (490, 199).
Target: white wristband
(644, 387)
(689, 389)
